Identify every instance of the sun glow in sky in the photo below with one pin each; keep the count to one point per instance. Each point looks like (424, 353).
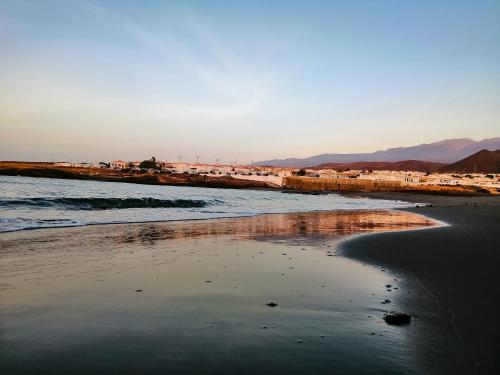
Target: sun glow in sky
(243, 80)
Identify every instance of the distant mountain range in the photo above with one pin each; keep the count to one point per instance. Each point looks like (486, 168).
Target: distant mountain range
(447, 151)
(405, 165)
(484, 161)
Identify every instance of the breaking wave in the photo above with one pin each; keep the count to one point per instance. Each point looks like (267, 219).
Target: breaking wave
(102, 203)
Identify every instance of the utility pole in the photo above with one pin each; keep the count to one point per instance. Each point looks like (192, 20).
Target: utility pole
(197, 159)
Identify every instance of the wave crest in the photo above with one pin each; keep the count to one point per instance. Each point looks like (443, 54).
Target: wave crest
(103, 203)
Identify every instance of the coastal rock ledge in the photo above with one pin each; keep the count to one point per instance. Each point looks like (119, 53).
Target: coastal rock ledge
(397, 318)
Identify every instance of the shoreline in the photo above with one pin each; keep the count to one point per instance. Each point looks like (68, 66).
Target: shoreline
(304, 186)
(106, 175)
(246, 216)
(451, 274)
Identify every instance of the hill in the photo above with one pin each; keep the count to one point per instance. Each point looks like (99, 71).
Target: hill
(405, 165)
(447, 151)
(483, 161)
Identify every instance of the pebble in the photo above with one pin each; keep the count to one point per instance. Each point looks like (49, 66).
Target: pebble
(272, 304)
(138, 290)
(397, 318)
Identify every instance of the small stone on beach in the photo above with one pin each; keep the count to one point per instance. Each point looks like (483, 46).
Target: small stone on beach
(272, 304)
(397, 318)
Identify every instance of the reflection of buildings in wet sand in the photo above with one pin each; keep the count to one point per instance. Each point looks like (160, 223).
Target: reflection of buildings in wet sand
(290, 227)
(276, 226)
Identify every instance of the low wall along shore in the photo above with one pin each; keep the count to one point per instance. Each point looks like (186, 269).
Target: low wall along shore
(338, 184)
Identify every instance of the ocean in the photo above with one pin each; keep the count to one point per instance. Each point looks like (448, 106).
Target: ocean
(32, 203)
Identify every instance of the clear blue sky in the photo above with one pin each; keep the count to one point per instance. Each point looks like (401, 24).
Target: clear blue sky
(243, 80)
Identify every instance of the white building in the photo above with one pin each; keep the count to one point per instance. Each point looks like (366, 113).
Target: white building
(117, 164)
(62, 164)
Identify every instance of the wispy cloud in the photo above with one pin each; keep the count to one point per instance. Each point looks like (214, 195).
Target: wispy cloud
(242, 94)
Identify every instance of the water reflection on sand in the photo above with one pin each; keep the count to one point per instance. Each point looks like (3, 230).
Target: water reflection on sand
(189, 297)
(310, 225)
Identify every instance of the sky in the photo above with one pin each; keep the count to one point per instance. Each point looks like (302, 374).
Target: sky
(87, 80)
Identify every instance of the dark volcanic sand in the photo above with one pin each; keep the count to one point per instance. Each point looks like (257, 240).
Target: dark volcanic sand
(192, 297)
(453, 277)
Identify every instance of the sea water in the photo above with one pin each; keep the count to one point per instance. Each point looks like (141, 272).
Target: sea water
(31, 203)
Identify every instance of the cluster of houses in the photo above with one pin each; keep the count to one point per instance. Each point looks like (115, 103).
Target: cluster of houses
(214, 169)
(275, 175)
(413, 178)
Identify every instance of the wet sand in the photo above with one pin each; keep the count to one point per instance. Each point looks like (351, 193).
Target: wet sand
(453, 275)
(190, 297)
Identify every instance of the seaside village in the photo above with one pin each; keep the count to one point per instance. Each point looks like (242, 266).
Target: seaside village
(275, 175)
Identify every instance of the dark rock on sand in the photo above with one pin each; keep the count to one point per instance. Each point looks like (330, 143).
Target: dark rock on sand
(397, 318)
(272, 304)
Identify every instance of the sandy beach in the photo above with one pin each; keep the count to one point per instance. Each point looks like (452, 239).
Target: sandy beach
(192, 297)
(153, 296)
(453, 275)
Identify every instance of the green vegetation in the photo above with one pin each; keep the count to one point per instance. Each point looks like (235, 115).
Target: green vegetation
(148, 164)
